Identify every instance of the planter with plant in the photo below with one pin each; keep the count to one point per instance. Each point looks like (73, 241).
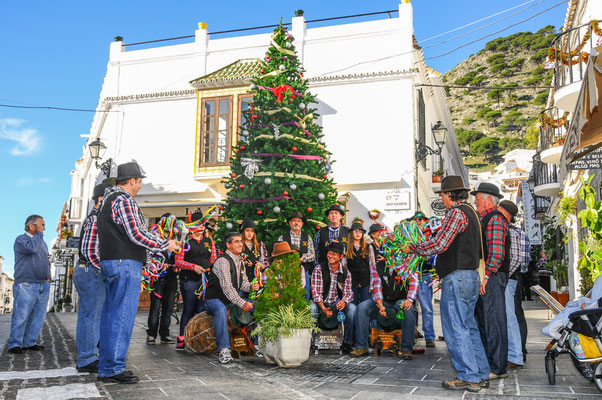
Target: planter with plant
(437, 176)
(590, 262)
(59, 305)
(283, 316)
(67, 303)
(561, 275)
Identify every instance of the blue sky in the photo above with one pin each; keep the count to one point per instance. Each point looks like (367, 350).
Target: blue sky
(54, 53)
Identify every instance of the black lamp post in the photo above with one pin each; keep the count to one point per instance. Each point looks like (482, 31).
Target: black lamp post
(97, 151)
(422, 150)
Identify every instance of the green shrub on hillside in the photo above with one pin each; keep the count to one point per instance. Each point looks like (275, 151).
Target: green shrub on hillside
(496, 58)
(508, 144)
(465, 138)
(481, 113)
(534, 81)
(541, 99)
(481, 68)
(532, 137)
(478, 80)
(518, 63)
(485, 146)
(540, 55)
(538, 71)
(468, 121)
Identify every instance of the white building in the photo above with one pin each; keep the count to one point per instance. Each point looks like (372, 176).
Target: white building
(6, 291)
(367, 77)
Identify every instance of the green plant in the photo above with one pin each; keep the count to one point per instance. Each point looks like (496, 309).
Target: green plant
(283, 322)
(67, 301)
(560, 272)
(566, 207)
(590, 264)
(438, 173)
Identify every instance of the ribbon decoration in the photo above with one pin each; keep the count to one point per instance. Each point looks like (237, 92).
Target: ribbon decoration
(286, 135)
(295, 156)
(202, 289)
(280, 48)
(403, 265)
(280, 92)
(204, 219)
(289, 175)
(277, 129)
(262, 200)
(251, 166)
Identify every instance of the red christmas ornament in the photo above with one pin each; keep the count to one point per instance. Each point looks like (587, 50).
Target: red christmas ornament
(325, 176)
(243, 147)
(242, 186)
(317, 227)
(234, 175)
(221, 208)
(285, 193)
(294, 148)
(259, 212)
(309, 209)
(263, 71)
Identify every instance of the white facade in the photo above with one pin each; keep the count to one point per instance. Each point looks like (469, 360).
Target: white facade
(366, 77)
(6, 291)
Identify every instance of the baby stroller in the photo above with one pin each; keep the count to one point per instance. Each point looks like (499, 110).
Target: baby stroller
(582, 340)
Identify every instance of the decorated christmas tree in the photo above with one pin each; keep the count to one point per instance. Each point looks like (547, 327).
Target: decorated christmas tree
(280, 163)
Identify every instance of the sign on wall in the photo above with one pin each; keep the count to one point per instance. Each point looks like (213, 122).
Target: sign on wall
(591, 160)
(397, 199)
(531, 225)
(437, 206)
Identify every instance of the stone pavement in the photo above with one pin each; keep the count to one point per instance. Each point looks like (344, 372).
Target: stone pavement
(167, 374)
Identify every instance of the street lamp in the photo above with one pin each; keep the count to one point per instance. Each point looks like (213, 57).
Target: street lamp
(97, 151)
(439, 132)
(422, 150)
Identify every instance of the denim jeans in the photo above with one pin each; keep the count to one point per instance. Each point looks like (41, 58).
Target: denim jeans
(192, 305)
(122, 283)
(159, 314)
(91, 293)
(219, 311)
(459, 293)
(491, 316)
(368, 310)
(425, 297)
(307, 285)
(515, 348)
(349, 324)
(520, 314)
(361, 294)
(29, 312)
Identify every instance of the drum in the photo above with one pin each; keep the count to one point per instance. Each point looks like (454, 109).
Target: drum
(199, 334)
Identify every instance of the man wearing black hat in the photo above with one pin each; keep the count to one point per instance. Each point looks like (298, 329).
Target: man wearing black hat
(90, 289)
(520, 249)
(491, 306)
(302, 242)
(458, 244)
(331, 291)
(334, 232)
(123, 242)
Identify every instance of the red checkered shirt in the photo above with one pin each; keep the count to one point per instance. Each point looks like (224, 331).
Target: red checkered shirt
(377, 286)
(90, 239)
(495, 238)
(454, 222)
(180, 263)
(317, 286)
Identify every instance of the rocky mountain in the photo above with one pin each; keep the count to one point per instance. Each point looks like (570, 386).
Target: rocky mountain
(490, 119)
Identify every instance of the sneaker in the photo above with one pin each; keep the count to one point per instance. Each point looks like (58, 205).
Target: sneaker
(35, 347)
(258, 353)
(167, 340)
(430, 343)
(484, 383)
(15, 350)
(346, 348)
(459, 384)
(493, 376)
(225, 356)
(406, 355)
(150, 339)
(359, 353)
(91, 368)
(181, 345)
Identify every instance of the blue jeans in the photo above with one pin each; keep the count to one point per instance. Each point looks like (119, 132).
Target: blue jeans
(29, 312)
(491, 317)
(361, 294)
(307, 285)
(425, 297)
(219, 311)
(349, 323)
(122, 284)
(515, 346)
(192, 304)
(368, 310)
(459, 293)
(91, 292)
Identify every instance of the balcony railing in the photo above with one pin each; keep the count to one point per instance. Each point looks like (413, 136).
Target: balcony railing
(553, 128)
(541, 205)
(570, 53)
(544, 173)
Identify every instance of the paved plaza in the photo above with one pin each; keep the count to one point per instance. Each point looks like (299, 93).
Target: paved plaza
(168, 374)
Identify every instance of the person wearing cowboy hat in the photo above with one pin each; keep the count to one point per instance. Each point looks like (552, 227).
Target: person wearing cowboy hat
(334, 232)
(374, 234)
(226, 280)
(360, 257)
(123, 242)
(331, 290)
(280, 249)
(90, 289)
(302, 241)
(491, 308)
(192, 265)
(254, 253)
(458, 244)
(520, 249)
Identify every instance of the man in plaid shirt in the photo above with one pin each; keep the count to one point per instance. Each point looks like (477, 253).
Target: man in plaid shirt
(123, 242)
(491, 308)
(90, 289)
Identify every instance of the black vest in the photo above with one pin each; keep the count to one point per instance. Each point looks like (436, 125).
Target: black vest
(305, 243)
(393, 289)
(247, 254)
(359, 267)
(341, 277)
(325, 241)
(505, 266)
(82, 258)
(464, 252)
(199, 254)
(214, 289)
(114, 243)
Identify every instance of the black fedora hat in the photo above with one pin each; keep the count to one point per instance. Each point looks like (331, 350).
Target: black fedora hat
(336, 247)
(128, 171)
(357, 225)
(196, 216)
(99, 190)
(296, 214)
(239, 317)
(375, 228)
(488, 188)
(451, 183)
(329, 323)
(247, 223)
(335, 207)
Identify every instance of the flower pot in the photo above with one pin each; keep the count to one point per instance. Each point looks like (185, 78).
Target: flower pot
(563, 298)
(436, 178)
(289, 352)
(68, 308)
(554, 294)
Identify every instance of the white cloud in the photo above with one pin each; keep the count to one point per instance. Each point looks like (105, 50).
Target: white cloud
(27, 140)
(31, 181)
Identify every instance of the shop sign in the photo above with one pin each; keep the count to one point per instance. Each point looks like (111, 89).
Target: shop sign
(397, 200)
(437, 206)
(591, 160)
(72, 242)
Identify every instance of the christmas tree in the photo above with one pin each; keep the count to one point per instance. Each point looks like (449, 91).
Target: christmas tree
(280, 163)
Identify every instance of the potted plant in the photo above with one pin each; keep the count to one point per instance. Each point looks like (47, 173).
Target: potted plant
(437, 175)
(561, 275)
(59, 305)
(283, 316)
(358, 219)
(67, 303)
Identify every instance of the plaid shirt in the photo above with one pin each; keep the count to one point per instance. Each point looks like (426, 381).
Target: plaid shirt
(520, 250)
(90, 239)
(453, 223)
(296, 242)
(317, 287)
(180, 263)
(221, 269)
(495, 237)
(125, 212)
(377, 286)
